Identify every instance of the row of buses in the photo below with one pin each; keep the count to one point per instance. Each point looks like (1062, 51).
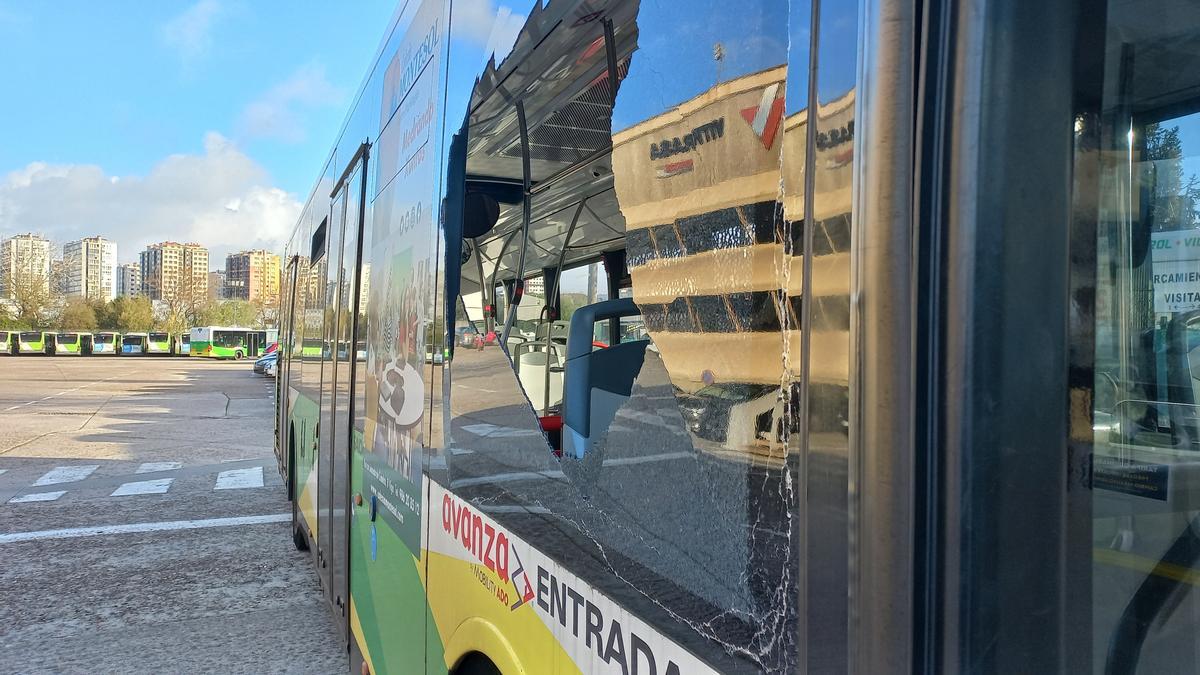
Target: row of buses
(206, 341)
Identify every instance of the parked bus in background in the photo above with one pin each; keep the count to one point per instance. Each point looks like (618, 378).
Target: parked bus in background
(106, 342)
(182, 346)
(158, 342)
(7, 339)
(73, 344)
(134, 344)
(35, 342)
(230, 343)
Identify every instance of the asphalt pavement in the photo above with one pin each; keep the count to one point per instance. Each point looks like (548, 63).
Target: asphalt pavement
(143, 525)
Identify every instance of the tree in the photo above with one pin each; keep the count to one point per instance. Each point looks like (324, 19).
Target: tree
(233, 313)
(129, 315)
(1175, 196)
(77, 314)
(33, 297)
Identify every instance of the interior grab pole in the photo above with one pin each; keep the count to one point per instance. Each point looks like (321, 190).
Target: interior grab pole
(554, 294)
(519, 280)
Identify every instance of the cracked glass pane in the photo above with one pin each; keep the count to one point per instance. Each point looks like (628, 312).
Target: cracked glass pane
(642, 434)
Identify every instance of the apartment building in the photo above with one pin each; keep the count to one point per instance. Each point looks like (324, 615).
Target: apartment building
(253, 276)
(129, 280)
(90, 269)
(171, 270)
(24, 263)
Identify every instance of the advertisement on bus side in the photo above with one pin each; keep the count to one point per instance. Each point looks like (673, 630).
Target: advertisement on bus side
(493, 574)
(402, 270)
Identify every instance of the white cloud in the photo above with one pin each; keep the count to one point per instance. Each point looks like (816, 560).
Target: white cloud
(278, 113)
(191, 32)
(183, 198)
(481, 21)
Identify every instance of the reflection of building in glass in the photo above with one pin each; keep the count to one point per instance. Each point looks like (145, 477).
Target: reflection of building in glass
(698, 186)
(717, 264)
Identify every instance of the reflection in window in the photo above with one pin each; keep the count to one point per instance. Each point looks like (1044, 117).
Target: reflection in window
(1145, 528)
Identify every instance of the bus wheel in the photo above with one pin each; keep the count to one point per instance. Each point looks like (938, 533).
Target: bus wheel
(298, 539)
(238, 355)
(476, 663)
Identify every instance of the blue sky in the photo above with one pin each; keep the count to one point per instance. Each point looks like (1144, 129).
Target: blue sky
(167, 95)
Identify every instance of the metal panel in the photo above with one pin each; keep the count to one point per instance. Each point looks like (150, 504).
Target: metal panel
(881, 401)
(344, 354)
(329, 549)
(826, 330)
(993, 213)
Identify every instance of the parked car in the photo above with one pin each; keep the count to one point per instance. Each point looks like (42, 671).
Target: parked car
(720, 410)
(270, 368)
(261, 362)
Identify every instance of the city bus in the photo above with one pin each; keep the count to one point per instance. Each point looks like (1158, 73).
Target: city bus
(231, 343)
(106, 342)
(73, 344)
(182, 345)
(7, 341)
(134, 344)
(35, 342)
(158, 342)
(914, 335)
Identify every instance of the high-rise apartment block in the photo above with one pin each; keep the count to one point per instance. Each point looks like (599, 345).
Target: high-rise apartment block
(24, 264)
(90, 269)
(174, 271)
(216, 285)
(252, 275)
(129, 280)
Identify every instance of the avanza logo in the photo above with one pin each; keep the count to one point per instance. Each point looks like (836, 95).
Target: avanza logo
(490, 546)
(764, 118)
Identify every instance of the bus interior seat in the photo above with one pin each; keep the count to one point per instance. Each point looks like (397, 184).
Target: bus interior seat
(559, 331)
(532, 360)
(597, 381)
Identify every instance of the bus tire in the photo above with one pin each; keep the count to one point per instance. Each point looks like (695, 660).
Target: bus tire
(476, 663)
(298, 539)
(238, 355)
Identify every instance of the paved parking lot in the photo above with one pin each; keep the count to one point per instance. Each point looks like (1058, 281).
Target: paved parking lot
(143, 525)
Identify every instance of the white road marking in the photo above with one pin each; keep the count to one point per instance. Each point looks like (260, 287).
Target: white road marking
(236, 479)
(37, 497)
(163, 526)
(494, 431)
(66, 474)
(67, 391)
(152, 467)
(143, 487)
(554, 474)
(2, 471)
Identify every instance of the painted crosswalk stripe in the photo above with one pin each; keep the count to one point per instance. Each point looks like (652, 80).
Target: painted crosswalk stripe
(167, 526)
(66, 474)
(37, 497)
(152, 467)
(143, 487)
(235, 479)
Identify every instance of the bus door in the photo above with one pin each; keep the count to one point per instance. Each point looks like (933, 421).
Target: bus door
(336, 411)
(283, 371)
